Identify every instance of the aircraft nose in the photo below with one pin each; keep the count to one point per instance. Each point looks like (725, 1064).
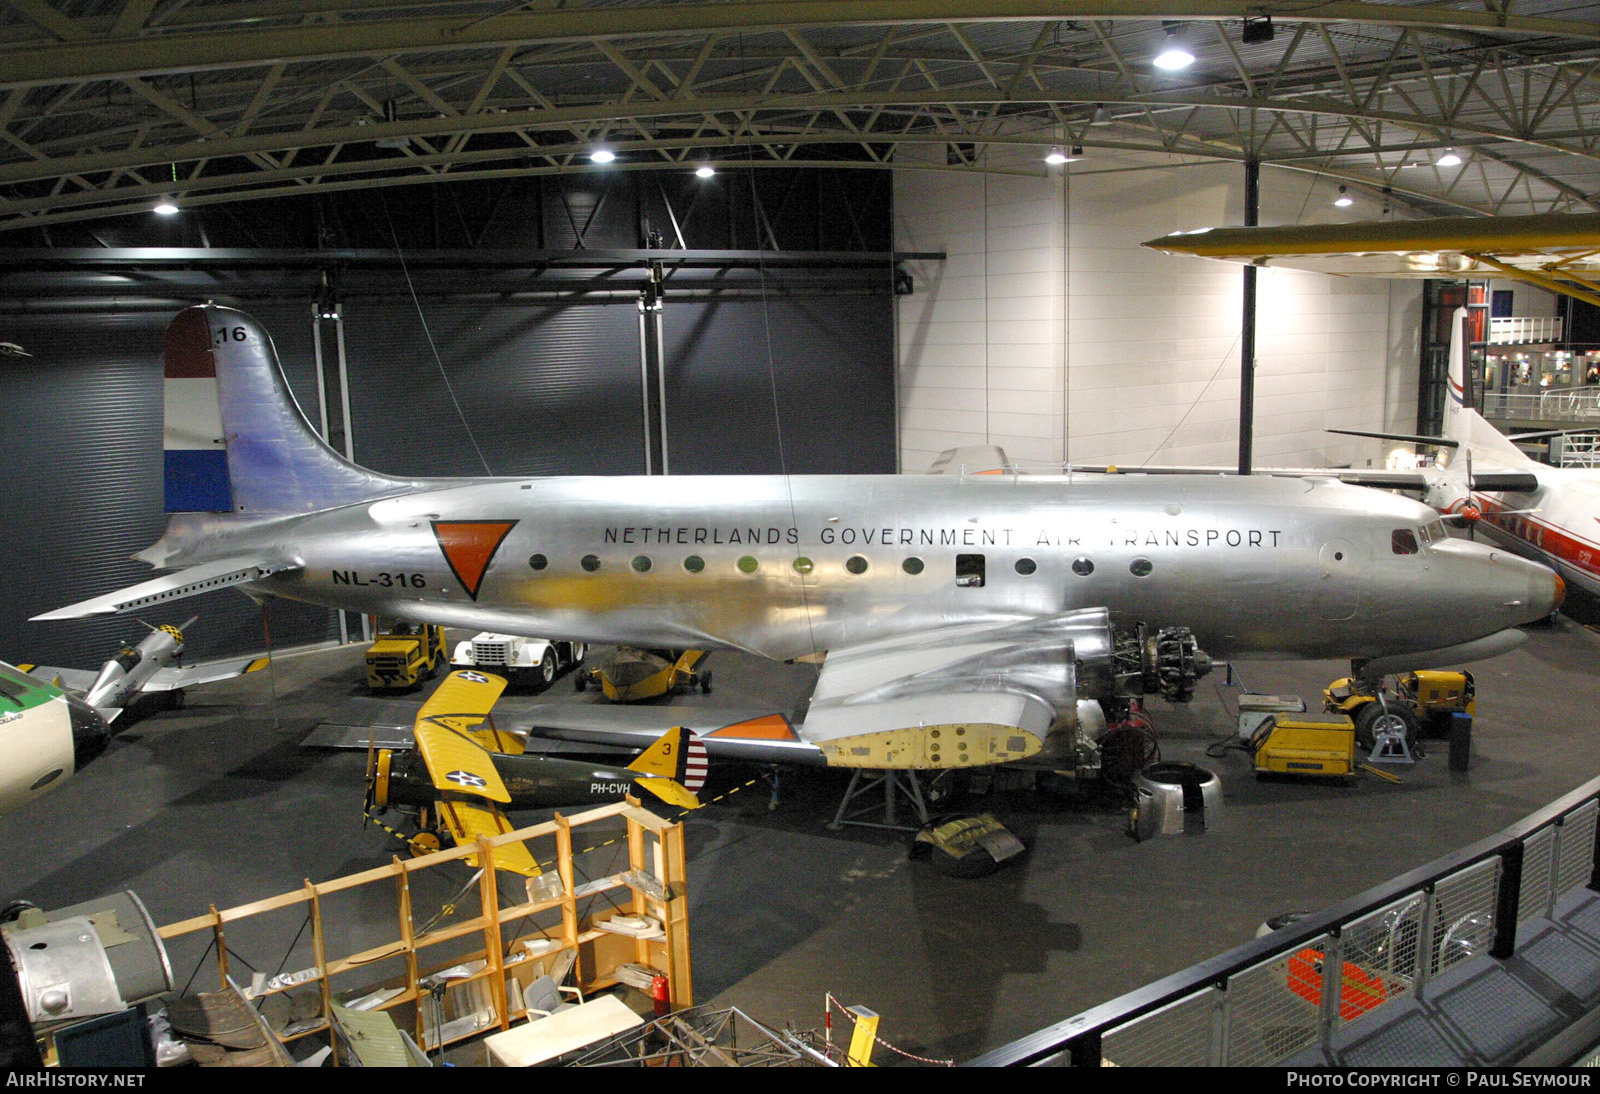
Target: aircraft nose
(1543, 589)
(1558, 593)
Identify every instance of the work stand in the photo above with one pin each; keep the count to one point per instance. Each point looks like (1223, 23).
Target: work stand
(864, 782)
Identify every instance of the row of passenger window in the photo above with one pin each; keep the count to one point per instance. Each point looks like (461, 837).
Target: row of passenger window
(970, 569)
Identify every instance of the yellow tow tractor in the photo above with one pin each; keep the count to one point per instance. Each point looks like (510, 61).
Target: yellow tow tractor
(632, 675)
(404, 655)
(1427, 702)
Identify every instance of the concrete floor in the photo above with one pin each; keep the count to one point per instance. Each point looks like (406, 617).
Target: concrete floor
(219, 804)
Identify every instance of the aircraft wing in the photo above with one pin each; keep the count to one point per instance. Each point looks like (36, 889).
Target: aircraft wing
(174, 586)
(469, 820)
(457, 763)
(958, 696)
(757, 736)
(67, 679)
(462, 703)
(1557, 251)
(172, 678)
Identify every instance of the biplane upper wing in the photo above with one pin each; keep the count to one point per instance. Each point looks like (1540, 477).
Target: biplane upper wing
(1557, 251)
(463, 703)
(458, 763)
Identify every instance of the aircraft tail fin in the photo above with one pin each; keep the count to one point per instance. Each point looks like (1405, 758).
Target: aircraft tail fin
(670, 763)
(668, 758)
(1470, 431)
(235, 438)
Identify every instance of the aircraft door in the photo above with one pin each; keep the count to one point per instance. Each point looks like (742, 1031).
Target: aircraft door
(1339, 595)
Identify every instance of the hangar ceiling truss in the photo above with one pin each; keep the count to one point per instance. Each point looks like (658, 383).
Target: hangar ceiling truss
(109, 105)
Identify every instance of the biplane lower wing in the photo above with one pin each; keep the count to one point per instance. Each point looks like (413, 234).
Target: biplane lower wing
(466, 821)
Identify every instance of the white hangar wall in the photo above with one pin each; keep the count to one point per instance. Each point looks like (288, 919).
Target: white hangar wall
(1050, 332)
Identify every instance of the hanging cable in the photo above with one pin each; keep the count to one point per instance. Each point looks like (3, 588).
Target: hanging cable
(772, 372)
(432, 348)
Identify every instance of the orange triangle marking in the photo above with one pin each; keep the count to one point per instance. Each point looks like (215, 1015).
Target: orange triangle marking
(468, 547)
(771, 727)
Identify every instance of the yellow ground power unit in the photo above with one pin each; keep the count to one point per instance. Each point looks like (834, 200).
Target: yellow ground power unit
(1306, 744)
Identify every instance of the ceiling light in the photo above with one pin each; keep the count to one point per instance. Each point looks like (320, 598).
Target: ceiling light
(1449, 159)
(166, 209)
(1344, 200)
(704, 172)
(1174, 56)
(1056, 158)
(602, 155)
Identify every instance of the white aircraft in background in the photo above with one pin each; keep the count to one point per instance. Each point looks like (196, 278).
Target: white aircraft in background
(1549, 514)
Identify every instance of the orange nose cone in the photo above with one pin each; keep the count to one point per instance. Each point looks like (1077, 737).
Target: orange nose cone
(1560, 593)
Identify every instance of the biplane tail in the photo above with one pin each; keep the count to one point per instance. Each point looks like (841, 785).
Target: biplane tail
(666, 766)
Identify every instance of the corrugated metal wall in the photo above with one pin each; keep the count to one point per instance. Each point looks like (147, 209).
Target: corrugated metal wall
(543, 389)
(81, 447)
(814, 372)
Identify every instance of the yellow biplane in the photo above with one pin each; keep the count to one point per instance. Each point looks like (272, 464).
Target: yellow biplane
(463, 774)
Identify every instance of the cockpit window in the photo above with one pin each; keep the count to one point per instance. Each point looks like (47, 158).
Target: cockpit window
(1438, 534)
(1403, 541)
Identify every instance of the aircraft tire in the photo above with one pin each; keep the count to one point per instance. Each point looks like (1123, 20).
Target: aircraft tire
(581, 681)
(705, 683)
(579, 652)
(975, 863)
(1375, 715)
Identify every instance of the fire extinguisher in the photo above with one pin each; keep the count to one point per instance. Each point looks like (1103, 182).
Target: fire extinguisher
(660, 995)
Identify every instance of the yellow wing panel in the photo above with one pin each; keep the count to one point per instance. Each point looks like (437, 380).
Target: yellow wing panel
(464, 699)
(458, 765)
(469, 820)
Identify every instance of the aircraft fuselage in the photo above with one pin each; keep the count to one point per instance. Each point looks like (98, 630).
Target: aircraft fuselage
(784, 567)
(1557, 524)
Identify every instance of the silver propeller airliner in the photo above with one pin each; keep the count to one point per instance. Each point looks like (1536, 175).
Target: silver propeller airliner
(966, 618)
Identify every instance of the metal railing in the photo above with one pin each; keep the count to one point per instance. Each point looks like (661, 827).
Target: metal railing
(1521, 329)
(1575, 450)
(1263, 1004)
(1555, 404)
